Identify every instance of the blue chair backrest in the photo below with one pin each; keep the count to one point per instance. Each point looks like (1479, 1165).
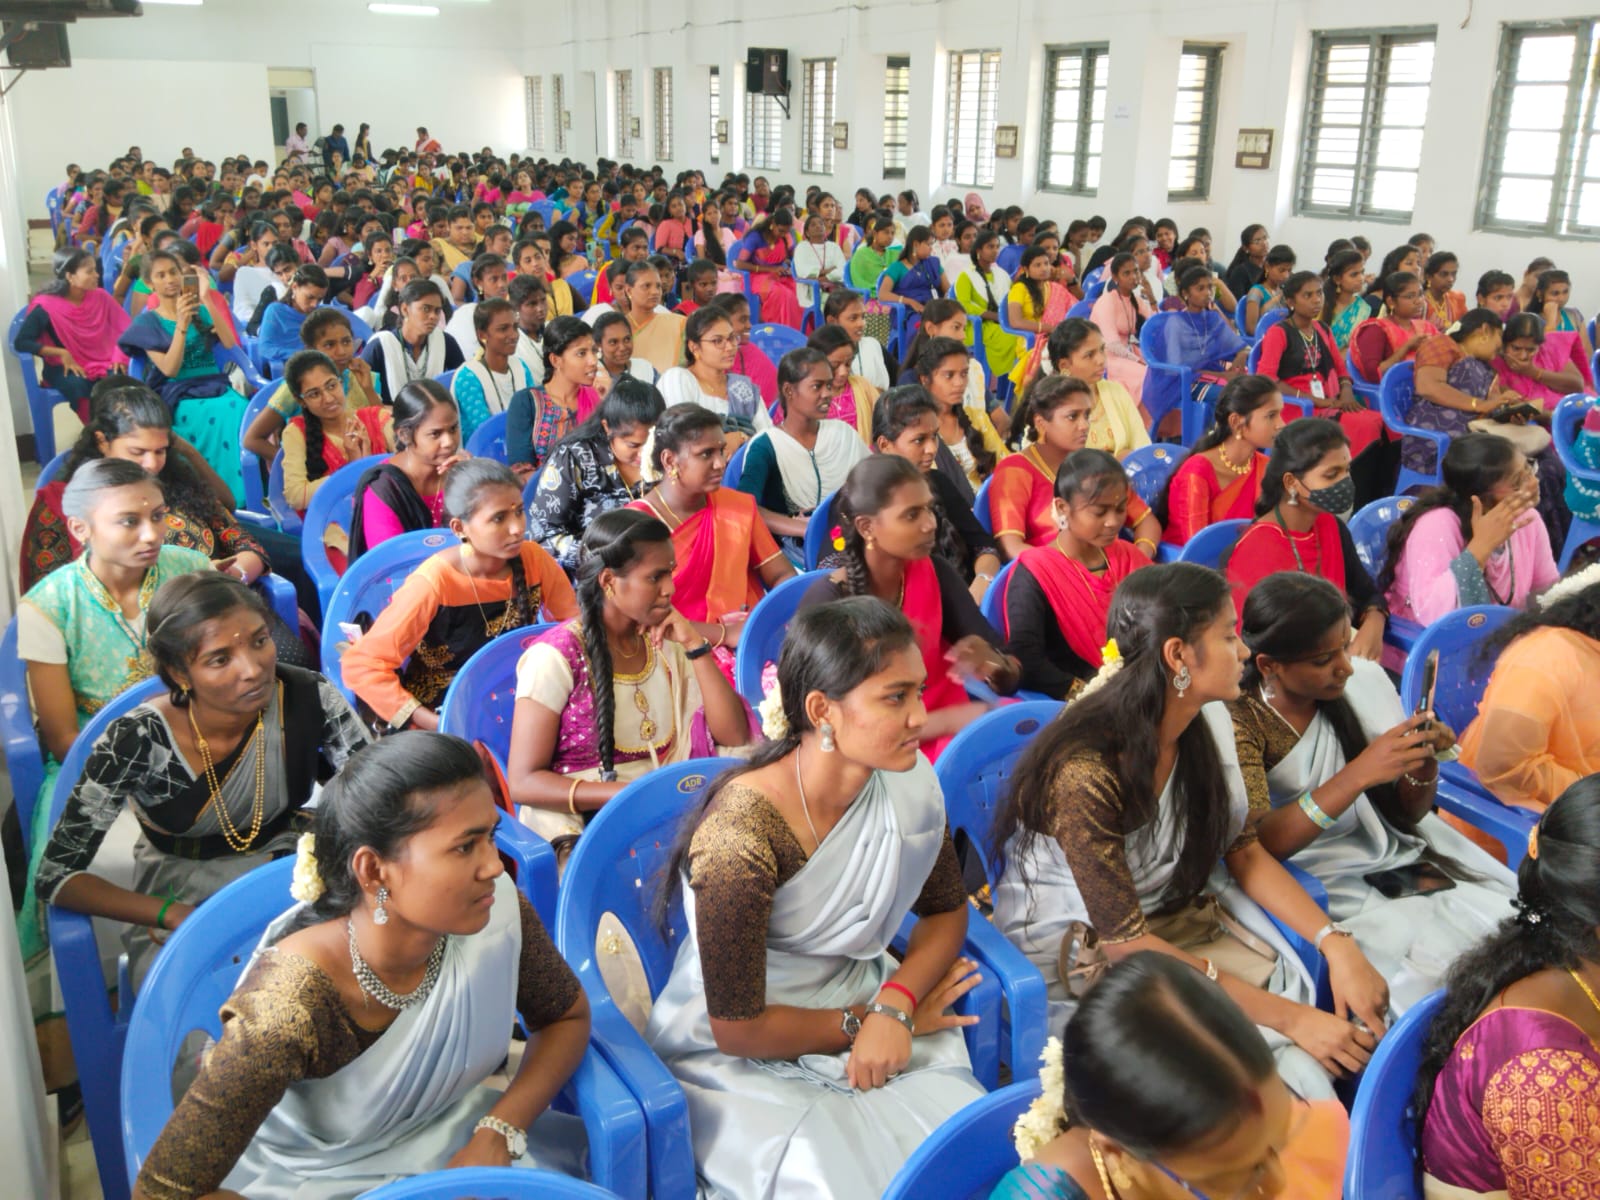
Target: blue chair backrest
(1383, 1123)
(763, 632)
(446, 378)
(489, 439)
(1565, 425)
(368, 586)
(1369, 529)
(24, 758)
(503, 1183)
(735, 467)
(249, 462)
(1094, 283)
(974, 769)
(1149, 467)
(1463, 672)
(1209, 545)
(582, 285)
(277, 503)
(464, 273)
(1395, 394)
(970, 1153)
(1268, 319)
(818, 527)
(331, 505)
(480, 701)
(48, 472)
(776, 340)
(980, 506)
(1081, 309)
(994, 598)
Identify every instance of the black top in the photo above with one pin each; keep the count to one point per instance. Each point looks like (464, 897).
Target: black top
(1242, 276)
(1049, 664)
(954, 511)
(960, 615)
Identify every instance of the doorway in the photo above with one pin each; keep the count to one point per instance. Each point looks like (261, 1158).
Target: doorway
(292, 95)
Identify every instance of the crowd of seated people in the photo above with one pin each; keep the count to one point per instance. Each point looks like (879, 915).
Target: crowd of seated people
(661, 467)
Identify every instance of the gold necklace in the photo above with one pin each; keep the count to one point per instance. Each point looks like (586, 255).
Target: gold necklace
(1038, 461)
(1227, 462)
(666, 508)
(1106, 558)
(237, 842)
(1100, 1169)
(1587, 990)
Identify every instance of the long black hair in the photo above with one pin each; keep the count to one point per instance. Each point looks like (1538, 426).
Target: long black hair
(1473, 464)
(1299, 446)
(1339, 261)
(869, 486)
(1115, 725)
(679, 425)
(935, 312)
(119, 406)
(1558, 910)
(1242, 396)
(934, 352)
(412, 404)
(894, 411)
(611, 541)
(630, 403)
(294, 372)
(65, 265)
(559, 335)
(1246, 236)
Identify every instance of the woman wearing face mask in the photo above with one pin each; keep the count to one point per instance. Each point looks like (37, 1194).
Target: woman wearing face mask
(709, 380)
(1205, 1111)
(1109, 838)
(726, 558)
(540, 417)
(407, 492)
(72, 329)
(1221, 478)
(981, 289)
(595, 468)
(484, 386)
(1393, 337)
(410, 941)
(456, 602)
(1299, 526)
(1057, 598)
(785, 1014)
(419, 348)
(217, 769)
(625, 688)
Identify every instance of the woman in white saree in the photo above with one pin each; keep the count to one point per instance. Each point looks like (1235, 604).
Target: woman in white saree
(355, 1047)
(814, 1063)
(1342, 781)
(1109, 840)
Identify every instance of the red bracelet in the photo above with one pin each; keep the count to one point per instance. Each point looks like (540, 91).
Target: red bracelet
(903, 990)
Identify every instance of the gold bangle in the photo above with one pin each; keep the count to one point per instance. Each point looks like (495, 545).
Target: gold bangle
(572, 797)
(722, 635)
(1144, 541)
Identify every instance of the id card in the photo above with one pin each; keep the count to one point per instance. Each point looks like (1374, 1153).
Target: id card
(1316, 388)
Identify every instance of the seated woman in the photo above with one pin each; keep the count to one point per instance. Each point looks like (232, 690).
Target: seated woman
(1162, 1080)
(792, 467)
(726, 558)
(1472, 539)
(627, 687)
(945, 318)
(176, 338)
(871, 258)
(1118, 423)
(400, 887)
(72, 328)
(765, 254)
(1551, 292)
(1519, 1029)
(1342, 783)
(1057, 598)
(1036, 304)
(1543, 368)
(485, 384)
(595, 468)
(1535, 733)
(418, 348)
(657, 333)
(785, 1017)
(714, 241)
(1118, 314)
(1221, 478)
(1381, 342)
(820, 258)
(614, 338)
(1299, 526)
(280, 325)
(750, 361)
(407, 492)
(981, 289)
(1100, 857)
(1267, 293)
(971, 443)
(709, 380)
(539, 418)
(890, 531)
(1204, 340)
(848, 311)
(853, 395)
(916, 277)
(457, 601)
(1443, 305)
(267, 731)
(1343, 308)
(328, 433)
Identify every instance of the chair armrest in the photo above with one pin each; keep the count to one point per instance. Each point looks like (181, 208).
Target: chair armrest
(536, 866)
(1460, 795)
(618, 1146)
(1026, 998)
(983, 1002)
(281, 595)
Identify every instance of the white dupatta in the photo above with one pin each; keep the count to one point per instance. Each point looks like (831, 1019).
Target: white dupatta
(810, 476)
(396, 358)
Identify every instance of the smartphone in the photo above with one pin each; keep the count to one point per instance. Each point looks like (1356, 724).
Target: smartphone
(1418, 879)
(191, 284)
(1430, 680)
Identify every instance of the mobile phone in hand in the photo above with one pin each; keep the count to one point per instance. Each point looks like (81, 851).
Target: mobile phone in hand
(1430, 681)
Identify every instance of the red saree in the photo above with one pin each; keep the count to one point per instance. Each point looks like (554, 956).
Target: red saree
(720, 551)
(1081, 599)
(1377, 339)
(1020, 495)
(925, 611)
(1266, 547)
(1194, 500)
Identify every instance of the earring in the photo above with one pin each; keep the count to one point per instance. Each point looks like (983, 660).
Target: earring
(611, 592)
(1119, 1176)
(1268, 692)
(1294, 499)
(673, 474)
(827, 737)
(380, 915)
(1182, 680)
(870, 542)
(466, 552)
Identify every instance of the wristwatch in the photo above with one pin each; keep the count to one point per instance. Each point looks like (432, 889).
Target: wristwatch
(850, 1024)
(516, 1139)
(700, 651)
(1331, 929)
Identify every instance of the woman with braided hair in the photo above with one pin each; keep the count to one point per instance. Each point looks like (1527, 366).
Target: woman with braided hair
(625, 688)
(889, 525)
(1506, 1089)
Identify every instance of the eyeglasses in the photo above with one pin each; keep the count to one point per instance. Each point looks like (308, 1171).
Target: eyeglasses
(330, 391)
(720, 342)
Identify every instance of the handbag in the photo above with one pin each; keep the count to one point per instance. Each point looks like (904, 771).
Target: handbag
(1529, 439)
(1200, 926)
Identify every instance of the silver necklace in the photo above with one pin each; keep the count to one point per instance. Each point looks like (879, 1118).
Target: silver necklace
(805, 808)
(369, 982)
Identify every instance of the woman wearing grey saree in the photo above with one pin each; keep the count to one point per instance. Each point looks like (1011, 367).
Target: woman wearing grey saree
(216, 772)
(813, 1062)
(1109, 840)
(1342, 780)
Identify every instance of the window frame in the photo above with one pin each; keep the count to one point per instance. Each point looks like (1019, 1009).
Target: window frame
(533, 102)
(983, 142)
(758, 109)
(1206, 151)
(1096, 55)
(894, 64)
(714, 97)
(816, 131)
(662, 103)
(623, 90)
(559, 98)
(1382, 43)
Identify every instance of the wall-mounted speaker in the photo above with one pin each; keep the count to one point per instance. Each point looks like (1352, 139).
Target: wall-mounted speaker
(766, 72)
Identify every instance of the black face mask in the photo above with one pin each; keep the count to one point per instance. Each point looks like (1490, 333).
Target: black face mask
(1338, 498)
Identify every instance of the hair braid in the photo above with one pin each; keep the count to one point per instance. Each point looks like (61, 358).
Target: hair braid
(597, 657)
(316, 438)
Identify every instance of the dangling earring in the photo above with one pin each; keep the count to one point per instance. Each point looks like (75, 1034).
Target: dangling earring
(1294, 499)
(466, 552)
(1268, 692)
(673, 474)
(827, 737)
(1182, 680)
(1119, 1176)
(380, 915)
(870, 542)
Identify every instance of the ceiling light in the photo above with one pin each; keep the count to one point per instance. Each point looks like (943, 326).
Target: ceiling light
(404, 10)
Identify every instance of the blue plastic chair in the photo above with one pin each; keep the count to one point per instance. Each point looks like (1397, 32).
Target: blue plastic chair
(582, 285)
(1369, 529)
(445, 379)
(277, 503)
(1395, 394)
(993, 606)
(368, 586)
(818, 527)
(776, 340)
(1094, 282)
(1564, 428)
(1383, 1123)
(249, 462)
(18, 737)
(1196, 416)
(969, 1154)
(1081, 310)
(42, 400)
(48, 472)
(479, 703)
(735, 468)
(97, 1033)
(332, 505)
(749, 289)
(1264, 322)
(1209, 545)
(1463, 674)
(1149, 467)
(762, 637)
(1005, 323)
(489, 439)
(1368, 392)
(503, 1183)
(464, 273)
(980, 506)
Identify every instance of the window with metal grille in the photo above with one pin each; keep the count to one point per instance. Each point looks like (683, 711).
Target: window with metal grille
(1541, 169)
(624, 114)
(558, 104)
(534, 91)
(716, 112)
(1194, 123)
(1074, 118)
(763, 132)
(664, 113)
(896, 115)
(816, 147)
(1365, 111)
(973, 88)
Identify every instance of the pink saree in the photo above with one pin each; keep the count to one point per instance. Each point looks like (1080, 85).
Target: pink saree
(780, 302)
(1559, 351)
(89, 331)
(1116, 316)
